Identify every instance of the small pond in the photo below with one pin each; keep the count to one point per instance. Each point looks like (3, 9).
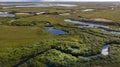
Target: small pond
(105, 50)
(75, 48)
(54, 31)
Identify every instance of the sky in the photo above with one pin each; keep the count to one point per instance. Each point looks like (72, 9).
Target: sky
(54, 0)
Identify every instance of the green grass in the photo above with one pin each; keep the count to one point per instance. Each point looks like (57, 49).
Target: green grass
(18, 43)
(17, 36)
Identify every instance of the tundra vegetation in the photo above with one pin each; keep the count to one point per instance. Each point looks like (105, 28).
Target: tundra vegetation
(25, 43)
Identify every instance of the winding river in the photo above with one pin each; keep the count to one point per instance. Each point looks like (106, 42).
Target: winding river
(91, 25)
(105, 49)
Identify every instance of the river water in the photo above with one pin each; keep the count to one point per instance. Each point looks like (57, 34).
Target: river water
(91, 25)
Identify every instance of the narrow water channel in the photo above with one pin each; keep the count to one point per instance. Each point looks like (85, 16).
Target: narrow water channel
(7, 15)
(91, 25)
